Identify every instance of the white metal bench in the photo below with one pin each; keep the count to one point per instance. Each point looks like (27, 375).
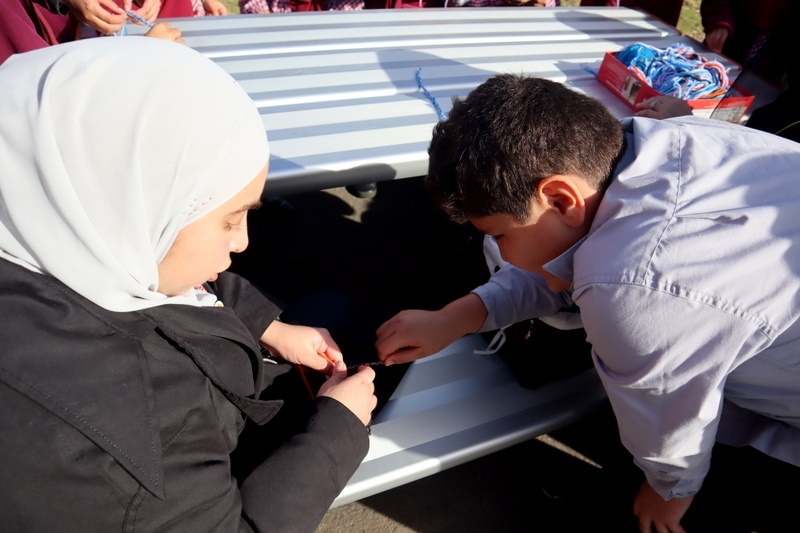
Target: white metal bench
(338, 90)
(456, 406)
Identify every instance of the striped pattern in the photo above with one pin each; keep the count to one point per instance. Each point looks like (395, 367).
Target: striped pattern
(338, 93)
(456, 406)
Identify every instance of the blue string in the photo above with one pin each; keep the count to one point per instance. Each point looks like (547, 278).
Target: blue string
(139, 19)
(439, 111)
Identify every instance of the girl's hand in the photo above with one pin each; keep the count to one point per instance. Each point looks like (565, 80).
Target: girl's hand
(356, 392)
(302, 345)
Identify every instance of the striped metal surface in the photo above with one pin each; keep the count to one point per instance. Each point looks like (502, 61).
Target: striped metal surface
(337, 90)
(457, 406)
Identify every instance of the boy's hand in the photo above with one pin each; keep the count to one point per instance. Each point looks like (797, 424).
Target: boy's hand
(656, 512)
(413, 334)
(356, 392)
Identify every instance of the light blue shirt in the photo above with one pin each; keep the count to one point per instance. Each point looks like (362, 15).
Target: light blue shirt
(688, 285)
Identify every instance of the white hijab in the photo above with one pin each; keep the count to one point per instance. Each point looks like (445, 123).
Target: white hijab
(108, 148)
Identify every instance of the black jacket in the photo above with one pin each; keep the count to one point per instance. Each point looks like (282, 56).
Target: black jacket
(126, 421)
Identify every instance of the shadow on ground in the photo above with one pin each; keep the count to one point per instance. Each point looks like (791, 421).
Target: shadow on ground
(535, 487)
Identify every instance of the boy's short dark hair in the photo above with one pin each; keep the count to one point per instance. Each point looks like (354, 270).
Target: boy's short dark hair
(507, 135)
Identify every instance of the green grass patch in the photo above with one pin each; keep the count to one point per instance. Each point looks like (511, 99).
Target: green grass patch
(688, 23)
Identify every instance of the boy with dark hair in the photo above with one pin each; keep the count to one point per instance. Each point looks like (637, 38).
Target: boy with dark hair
(488, 163)
(677, 239)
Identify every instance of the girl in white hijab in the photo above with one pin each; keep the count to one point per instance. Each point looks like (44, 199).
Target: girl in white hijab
(121, 159)
(103, 163)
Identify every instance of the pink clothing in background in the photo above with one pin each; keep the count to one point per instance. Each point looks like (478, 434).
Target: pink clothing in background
(171, 8)
(254, 7)
(282, 6)
(27, 25)
(667, 10)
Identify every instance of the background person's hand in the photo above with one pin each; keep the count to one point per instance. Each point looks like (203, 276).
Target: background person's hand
(149, 10)
(103, 15)
(663, 107)
(715, 39)
(215, 8)
(356, 392)
(162, 30)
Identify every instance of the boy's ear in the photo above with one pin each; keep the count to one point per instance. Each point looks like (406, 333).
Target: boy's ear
(564, 195)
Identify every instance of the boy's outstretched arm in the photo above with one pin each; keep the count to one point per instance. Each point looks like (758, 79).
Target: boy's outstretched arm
(414, 334)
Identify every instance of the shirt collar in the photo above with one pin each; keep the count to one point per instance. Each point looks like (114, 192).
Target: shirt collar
(562, 266)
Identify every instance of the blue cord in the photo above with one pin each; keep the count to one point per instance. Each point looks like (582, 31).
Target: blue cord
(439, 111)
(139, 19)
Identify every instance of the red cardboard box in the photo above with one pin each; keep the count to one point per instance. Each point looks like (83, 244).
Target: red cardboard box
(632, 88)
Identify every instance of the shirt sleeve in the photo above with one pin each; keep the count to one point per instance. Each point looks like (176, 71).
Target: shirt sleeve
(663, 361)
(716, 14)
(512, 295)
(254, 308)
(295, 486)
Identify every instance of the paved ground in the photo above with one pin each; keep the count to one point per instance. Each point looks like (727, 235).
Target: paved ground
(396, 251)
(587, 485)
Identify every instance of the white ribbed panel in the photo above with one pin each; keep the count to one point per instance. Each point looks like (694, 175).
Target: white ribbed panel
(338, 93)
